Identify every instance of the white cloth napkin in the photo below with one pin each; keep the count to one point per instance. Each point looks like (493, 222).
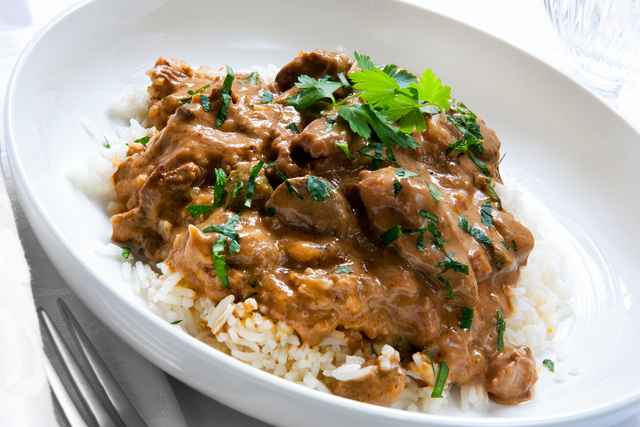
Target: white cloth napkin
(23, 385)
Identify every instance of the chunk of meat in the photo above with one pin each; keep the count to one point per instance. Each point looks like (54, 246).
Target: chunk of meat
(331, 216)
(511, 375)
(382, 387)
(314, 64)
(316, 140)
(387, 208)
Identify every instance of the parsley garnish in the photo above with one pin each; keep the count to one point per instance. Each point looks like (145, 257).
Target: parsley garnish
(226, 96)
(343, 270)
(249, 296)
(494, 194)
(549, 364)
(293, 127)
(254, 283)
(435, 193)
(467, 318)
(313, 90)
(175, 322)
(475, 232)
(239, 186)
(431, 361)
(193, 93)
(501, 327)
(219, 260)
(196, 210)
(430, 216)
(255, 170)
(463, 145)
(505, 244)
(106, 145)
(398, 95)
(318, 188)
(344, 147)
(448, 286)
(481, 165)
(403, 173)
(363, 118)
(397, 187)
(253, 77)
(144, 140)
(391, 234)
(331, 120)
(451, 264)
(515, 247)
(218, 188)
(438, 388)
(126, 252)
(377, 157)
(485, 214)
(267, 97)
(291, 188)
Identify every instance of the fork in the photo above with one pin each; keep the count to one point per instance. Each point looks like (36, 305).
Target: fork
(88, 396)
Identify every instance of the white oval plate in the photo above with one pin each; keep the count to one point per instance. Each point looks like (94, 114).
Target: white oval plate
(565, 146)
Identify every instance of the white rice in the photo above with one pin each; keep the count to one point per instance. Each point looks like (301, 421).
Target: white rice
(541, 299)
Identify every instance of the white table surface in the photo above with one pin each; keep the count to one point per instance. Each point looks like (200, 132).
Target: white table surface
(522, 23)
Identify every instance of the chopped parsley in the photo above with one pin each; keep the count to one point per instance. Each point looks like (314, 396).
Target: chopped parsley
(429, 215)
(291, 188)
(126, 252)
(435, 193)
(403, 173)
(196, 210)
(549, 364)
(318, 188)
(253, 77)
(467, 318)
(331, 120)
(515, 247)
(218, 188)
(255, 170)
(254, 283)
(293, 127)
(485, 214)
(144, 140)
(391, 234)
(494, 194)
(343, 270)
(249, 296)
(475, 232)
(239, 186)
(378, 158)
(267, 97)
(481, 165)
(226, 96)
(505, 244)
(175, 322)
(447, 284)
(397, 187)
(438, 388)
(106, 145)
(226, 231)
(451, 264)
(501, 327)
(463, 145)
(185, 101)
(344, 147)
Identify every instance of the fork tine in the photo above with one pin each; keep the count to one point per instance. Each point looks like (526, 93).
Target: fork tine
(79, 381)
(116, 395)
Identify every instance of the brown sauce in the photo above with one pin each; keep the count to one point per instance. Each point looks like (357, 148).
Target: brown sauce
(291, 246)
